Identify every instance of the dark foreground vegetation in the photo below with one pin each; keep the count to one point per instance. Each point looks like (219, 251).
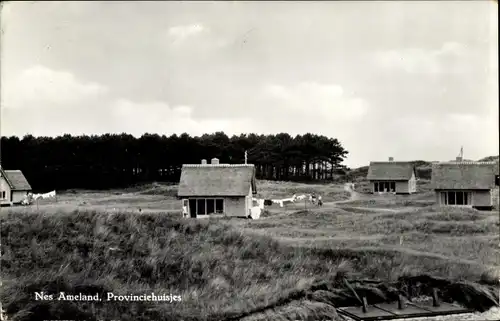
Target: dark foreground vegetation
(107, 161)
(220, 273)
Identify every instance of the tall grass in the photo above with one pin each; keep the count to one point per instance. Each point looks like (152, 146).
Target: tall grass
(219, 269)
(212, 266)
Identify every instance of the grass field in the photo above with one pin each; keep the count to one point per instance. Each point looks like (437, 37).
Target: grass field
(286, 265)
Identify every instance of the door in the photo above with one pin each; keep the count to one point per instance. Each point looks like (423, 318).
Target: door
(185, 208)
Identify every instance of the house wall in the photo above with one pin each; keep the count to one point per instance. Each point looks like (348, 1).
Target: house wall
(18, 196)
(480, 198)
(4, 187)
(235, 206)
(403, 187)
(412, 184)
(249, 201)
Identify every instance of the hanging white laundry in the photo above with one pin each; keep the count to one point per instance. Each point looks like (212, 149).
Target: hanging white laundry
(290, 199)
(255, 212)
(300, 197)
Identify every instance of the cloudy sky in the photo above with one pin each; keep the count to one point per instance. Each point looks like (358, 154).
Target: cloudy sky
(412, 80)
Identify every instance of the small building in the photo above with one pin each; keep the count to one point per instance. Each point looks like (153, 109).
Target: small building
(224, 189)
(14, 187)
(392, 177)
(467, 184)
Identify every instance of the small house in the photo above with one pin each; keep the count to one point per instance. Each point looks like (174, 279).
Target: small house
(224, 189)
(467, 184)
(392, 177)
(14, 187)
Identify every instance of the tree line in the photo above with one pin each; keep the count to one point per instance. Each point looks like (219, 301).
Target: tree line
(117, 160)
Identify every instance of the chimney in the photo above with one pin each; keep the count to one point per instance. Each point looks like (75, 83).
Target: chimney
(391, 159)
(215, 161)
(459, 159)
(204, 162)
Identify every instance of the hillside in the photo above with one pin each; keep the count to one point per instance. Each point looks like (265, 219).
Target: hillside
(222, 272)
(489, 159)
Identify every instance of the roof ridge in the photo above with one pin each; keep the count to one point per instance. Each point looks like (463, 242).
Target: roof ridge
(6, 177)
(218, 165)
(390, 162)
(466, 163)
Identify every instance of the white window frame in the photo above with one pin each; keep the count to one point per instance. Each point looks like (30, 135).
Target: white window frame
(384, 184)
(443, 198)
(3, 195)
(205, 199)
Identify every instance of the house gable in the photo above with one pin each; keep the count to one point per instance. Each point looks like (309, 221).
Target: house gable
(17, 180)
(4, 185)
(4, 177)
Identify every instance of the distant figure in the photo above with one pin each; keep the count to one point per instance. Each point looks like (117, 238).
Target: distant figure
(320, 202)
(140, 210)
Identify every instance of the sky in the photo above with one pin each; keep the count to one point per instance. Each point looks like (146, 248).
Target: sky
(409, 80)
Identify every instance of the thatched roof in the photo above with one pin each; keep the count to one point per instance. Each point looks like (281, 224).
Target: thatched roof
(16, 180)
(217, 180)
(396, 171)
(464, 175)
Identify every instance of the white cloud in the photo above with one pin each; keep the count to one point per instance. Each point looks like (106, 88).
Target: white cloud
(40, 96)
(186, 40)
(183, 32)
(137, 118)
(325, 100)
(416, 60)
(40, 85)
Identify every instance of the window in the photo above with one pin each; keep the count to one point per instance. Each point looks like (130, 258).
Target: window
(3, 195)
(200, 207)
(210, 206)
(458, 198)
(451, 198)
(219, 206)
(192, 207)
(205, 206)
(384, 187)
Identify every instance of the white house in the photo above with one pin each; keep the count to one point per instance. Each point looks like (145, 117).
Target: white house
(392, 177)
(462, 183)
(13, 187)
(214, 188)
